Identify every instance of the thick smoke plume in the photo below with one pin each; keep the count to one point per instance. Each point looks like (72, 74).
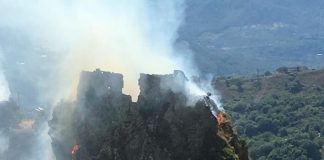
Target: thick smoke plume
(128, 37)
(46, 44)
(4, 89)
(4, 143)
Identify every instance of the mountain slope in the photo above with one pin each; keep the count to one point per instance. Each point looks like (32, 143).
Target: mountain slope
(241, 36)
(281, 114)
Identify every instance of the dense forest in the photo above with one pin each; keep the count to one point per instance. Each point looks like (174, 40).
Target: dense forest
(280, 114)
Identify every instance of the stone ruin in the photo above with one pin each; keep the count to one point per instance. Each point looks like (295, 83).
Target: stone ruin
(100, 83)
(105, 124)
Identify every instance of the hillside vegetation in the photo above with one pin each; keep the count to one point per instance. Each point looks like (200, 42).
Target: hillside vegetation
(240, 36)
(281, 114)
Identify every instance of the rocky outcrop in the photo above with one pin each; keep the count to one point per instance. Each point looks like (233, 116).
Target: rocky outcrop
(99, 109)
(106, 125)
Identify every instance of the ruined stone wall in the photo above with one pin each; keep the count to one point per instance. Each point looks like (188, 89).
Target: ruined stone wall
(100, 83)
(159, 92)
(151, 84)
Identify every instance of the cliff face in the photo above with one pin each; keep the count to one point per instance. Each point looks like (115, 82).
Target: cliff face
(104, 124)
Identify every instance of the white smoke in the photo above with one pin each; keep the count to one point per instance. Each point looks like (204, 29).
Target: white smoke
(48, 43)
(52, 41)
(4, 89)
(4, 143)
(199, 91)
(66, 37)
(128, 37)
(43, 147)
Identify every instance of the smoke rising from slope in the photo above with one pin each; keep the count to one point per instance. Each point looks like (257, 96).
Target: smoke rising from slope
(46, 44)
(4, 90)
(129, 37)
(4, 143)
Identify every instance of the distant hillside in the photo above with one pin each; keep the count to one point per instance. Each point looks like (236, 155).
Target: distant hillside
(241, 36)
(280, 114)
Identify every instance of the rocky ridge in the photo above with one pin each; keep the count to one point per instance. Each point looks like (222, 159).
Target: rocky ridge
(105, 124)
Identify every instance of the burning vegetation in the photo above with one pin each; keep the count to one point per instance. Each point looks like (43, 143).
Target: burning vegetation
(26, 125)
(74, 151)
(159, 126)
(221, 118)
(19, 131)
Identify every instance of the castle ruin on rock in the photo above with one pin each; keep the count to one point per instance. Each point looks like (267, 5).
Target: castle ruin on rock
(105, 124)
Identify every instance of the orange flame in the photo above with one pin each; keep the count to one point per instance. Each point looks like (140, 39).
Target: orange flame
(25, 126)
(75, 149)
(220, 118)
